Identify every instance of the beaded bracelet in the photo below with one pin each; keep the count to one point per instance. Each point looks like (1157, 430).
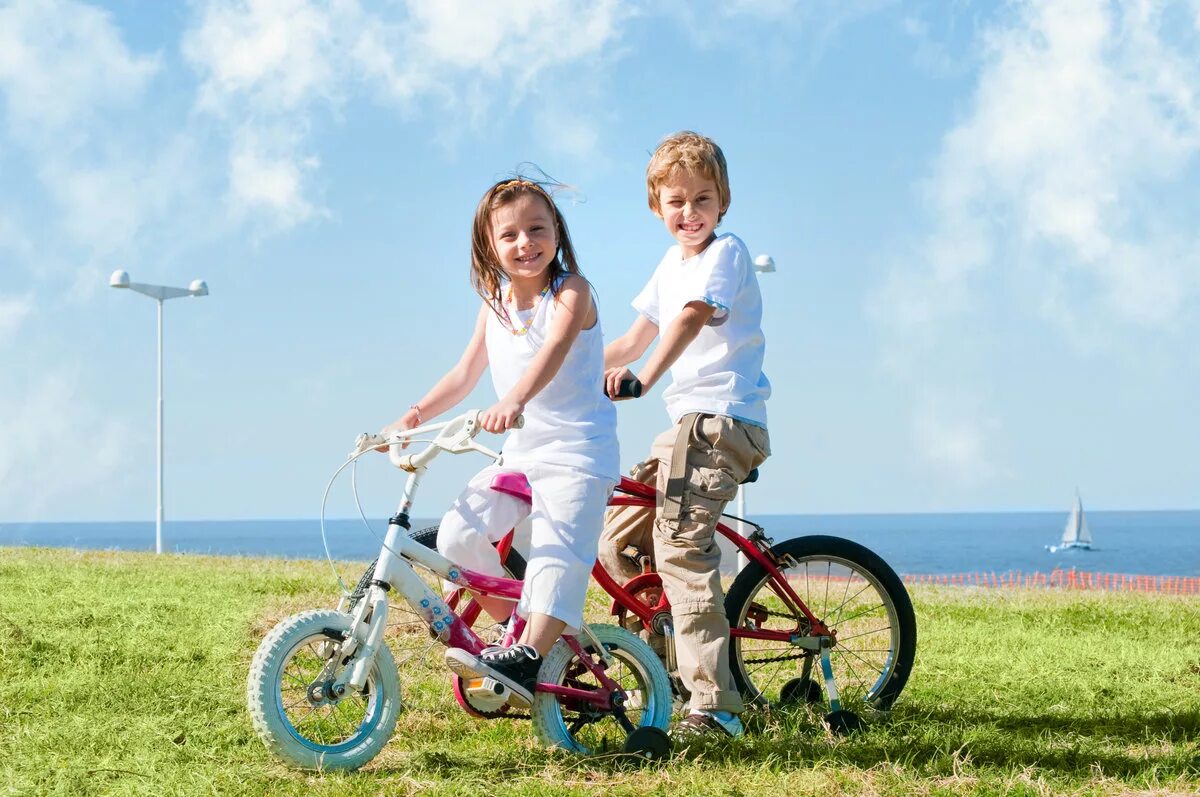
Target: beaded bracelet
(418, 409)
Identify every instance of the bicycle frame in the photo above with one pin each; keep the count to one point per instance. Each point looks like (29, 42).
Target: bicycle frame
(394, 570)
(755, 547)
(633, 493)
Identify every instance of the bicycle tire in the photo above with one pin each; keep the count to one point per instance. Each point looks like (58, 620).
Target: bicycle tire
(871, 661)
(636, 668)
(311, 729)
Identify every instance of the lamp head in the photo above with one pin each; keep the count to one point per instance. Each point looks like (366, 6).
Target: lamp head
(764, 264)
(119, 279)
(198, 288)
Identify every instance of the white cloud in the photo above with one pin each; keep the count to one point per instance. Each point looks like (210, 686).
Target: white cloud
(952, 437)
(1050, 199)
(512, 39)
(261, 180)
(13, 312)
(53, 444)
(272, 65)
(60, 61)
(281, 54)
(75, 97)
(1084, 112)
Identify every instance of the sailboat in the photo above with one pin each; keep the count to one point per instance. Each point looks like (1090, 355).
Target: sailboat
(1076, 534)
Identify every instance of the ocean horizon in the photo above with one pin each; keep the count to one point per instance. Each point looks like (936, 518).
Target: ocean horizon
(1140, 542)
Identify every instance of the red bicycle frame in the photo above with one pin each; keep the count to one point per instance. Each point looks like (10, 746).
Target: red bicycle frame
(633, 493)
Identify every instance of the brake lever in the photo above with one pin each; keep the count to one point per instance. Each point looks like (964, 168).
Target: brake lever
(365, 442)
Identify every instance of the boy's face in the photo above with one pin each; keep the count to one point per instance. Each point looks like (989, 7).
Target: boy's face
(690, 205)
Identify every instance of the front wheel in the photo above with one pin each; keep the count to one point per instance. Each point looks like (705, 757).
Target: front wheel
(292, 700)
(579, 728)
(854, 593)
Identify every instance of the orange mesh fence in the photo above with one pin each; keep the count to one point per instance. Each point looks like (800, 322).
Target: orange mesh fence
(1066, 579)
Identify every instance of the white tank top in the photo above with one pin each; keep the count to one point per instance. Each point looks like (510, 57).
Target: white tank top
(570, 422)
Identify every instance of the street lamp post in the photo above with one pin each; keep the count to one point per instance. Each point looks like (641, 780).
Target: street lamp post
(763, 264)
(160, 293)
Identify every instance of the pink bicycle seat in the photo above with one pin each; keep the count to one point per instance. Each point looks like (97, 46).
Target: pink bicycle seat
(514, 484)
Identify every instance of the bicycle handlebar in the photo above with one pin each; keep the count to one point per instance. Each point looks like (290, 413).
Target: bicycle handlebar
(456, 435)
(630, 388)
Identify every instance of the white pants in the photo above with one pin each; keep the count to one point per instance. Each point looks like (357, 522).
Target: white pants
(565, 520)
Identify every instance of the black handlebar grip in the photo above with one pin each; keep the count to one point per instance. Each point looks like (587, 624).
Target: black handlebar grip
(630, 388)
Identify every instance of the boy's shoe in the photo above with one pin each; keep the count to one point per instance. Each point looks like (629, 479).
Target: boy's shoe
(707, 725)
(516, 667)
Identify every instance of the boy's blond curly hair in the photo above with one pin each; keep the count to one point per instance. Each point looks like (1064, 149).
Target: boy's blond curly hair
(689, 153)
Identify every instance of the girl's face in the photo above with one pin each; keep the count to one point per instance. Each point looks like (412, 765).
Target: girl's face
(523, 237)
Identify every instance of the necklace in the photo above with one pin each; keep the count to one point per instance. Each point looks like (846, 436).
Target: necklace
(528, 321)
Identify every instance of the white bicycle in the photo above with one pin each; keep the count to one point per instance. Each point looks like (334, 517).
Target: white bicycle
(324, 689)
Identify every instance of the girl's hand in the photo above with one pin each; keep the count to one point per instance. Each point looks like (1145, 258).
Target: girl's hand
(409, 420)
(501, 416)
(612, 382)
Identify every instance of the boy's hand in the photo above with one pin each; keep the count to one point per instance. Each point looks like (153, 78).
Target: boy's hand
(612, 382)
(409, 420)
(501, 416)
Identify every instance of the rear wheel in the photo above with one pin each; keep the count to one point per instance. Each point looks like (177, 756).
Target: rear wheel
(858, 597)
(575, 726)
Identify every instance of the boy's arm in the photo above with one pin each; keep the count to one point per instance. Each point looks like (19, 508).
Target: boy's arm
(632, 344)
(454, 386)
(574, 311)
(675, 340)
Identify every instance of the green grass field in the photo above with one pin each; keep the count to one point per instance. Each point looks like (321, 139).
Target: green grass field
(125, 674)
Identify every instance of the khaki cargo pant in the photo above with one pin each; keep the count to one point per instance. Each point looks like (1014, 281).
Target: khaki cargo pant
(679, 534)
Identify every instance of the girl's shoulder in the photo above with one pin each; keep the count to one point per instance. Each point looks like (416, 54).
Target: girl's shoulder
(574, 291)
(574, 282)
(572, 288)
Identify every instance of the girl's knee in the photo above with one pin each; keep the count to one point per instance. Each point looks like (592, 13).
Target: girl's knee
(460, 544)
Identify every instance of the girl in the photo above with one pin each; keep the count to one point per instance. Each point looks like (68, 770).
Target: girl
(539, 331)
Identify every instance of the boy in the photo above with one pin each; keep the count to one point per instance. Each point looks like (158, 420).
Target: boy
(703, 300)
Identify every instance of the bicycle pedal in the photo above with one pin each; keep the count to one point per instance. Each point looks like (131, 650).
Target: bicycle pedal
(486, 694)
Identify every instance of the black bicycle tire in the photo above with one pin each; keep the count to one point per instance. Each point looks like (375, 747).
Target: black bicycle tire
(747, 583)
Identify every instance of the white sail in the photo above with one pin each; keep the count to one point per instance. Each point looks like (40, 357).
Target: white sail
(1076, 533)
(1085, 534)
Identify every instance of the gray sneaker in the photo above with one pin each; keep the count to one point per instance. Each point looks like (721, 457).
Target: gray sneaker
(702, 725)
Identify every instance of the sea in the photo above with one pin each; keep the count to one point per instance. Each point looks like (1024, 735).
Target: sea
(1160, 543)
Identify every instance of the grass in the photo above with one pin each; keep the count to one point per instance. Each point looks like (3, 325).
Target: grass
(125, 674)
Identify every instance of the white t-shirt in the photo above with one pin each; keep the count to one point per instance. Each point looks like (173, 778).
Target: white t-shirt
(570, 422)
(720, 372)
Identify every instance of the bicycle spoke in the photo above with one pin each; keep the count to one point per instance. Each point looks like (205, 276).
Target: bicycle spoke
(863, 612)
(300, 682)
(825, 602)
(856, 655)
(842, 639)
(842, 605)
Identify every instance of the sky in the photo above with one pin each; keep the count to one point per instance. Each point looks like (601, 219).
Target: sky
(983, 215)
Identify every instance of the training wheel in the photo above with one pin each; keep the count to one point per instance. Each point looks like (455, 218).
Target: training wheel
(648, 742)
(801, 690)
(844, 723)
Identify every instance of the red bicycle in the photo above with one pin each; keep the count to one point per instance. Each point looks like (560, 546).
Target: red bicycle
(813, 619)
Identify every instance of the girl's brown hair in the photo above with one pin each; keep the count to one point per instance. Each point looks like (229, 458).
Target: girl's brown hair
(486, 273)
